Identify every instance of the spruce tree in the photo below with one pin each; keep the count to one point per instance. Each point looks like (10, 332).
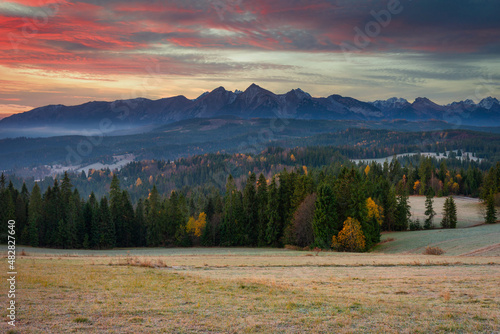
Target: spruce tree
(232, 214)
(107, 227)
(22, 203)
(403, 213)
(262, 218)
(250, 212)
(274, 224)
(453, 213)
(491, 212)
(127, 216)
(116, 208)
(325, 217)
(7, 209)
(21, 217)
(389, 203)
(154, 233)
(449, 214)
(34, 216)
(429, 210)
(140, 225)
(94, 236)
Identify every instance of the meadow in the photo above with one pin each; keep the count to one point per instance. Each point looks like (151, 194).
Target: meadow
(470, 211)
(242, 290)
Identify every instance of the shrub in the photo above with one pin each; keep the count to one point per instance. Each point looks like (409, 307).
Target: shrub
(433, 251)
(293, 247)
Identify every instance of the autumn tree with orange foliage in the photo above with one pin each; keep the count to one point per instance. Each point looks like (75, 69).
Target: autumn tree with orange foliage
(195, 227)
(351, 238)
(373, 224)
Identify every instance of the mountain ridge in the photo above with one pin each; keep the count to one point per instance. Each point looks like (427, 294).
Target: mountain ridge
(254, 102)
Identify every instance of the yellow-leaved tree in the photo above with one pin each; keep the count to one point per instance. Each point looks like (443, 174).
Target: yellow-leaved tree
(367, 169)
(351, 238)
(196, 226)
(374, 210)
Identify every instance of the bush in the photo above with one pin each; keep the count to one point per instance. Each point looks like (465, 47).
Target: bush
(433, 251)
(293, 247)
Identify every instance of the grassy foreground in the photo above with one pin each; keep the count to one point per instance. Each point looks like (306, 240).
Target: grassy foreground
(255, 291)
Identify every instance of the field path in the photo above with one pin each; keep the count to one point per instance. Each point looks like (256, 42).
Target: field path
(493, 250)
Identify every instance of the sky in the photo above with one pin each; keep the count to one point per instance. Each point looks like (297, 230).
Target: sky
(71, 52)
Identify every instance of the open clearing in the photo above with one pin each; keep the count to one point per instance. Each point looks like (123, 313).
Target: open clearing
(479, 240)
(222, 290)
(470, 211)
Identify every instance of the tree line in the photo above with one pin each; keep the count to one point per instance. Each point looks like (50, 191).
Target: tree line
(323, 207)
(209, 171)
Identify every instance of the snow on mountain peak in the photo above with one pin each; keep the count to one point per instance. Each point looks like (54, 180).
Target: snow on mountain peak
(393, 102)
(488, 102)
(301, 94)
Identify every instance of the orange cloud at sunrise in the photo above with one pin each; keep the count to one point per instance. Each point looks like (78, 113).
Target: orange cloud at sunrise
(70, 52)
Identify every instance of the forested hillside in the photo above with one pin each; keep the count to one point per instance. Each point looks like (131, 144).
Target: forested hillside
(355, 139)
(259, 202)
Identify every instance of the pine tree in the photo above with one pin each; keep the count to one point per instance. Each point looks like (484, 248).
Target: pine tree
(449, 214)
(154, 233)
(372, 227)
(403, 213)
(116, 209)
(357, 205)
(232, 214)
(274, 224)
(285, 192)
(21, 217)
(491, 212)
(262, 218)
(127, 216)
(325, 217)
(94, 236)
(429, 210)
(3, 181)
(250, 212)
(107, 227)
(140, 225)
(34, 216)
(7, 209)
(453, 213)
(389, 204)
(21, 205)
(211, 232)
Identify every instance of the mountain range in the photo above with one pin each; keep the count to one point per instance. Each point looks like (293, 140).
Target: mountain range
(254, 102)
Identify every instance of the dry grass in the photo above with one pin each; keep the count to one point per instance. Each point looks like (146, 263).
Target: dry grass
(479, 240)
(470, 211)
(261, 293)
(433, 251)
(145, 262)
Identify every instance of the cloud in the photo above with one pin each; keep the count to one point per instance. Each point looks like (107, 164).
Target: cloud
(13, 108)
(99, 41)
